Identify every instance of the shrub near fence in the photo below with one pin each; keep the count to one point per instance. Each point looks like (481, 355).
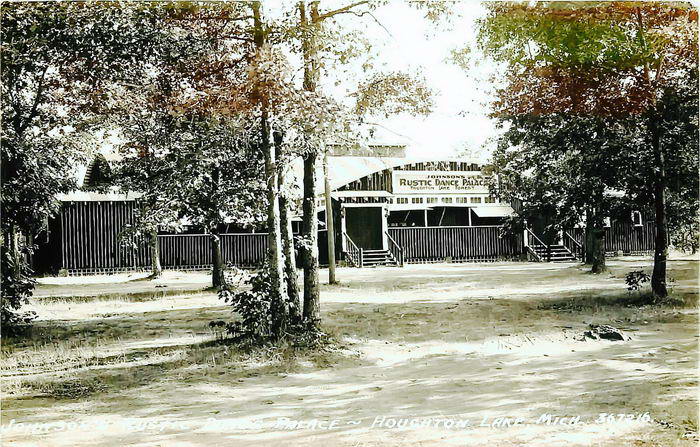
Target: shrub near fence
(435, 244)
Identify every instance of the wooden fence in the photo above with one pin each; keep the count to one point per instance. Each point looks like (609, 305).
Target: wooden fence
(85, 239)
(89, 234)
(193, 251)
(436, 244)
(624, 237)
(177, 251)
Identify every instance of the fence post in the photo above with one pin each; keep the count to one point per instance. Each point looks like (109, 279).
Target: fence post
(360, 258)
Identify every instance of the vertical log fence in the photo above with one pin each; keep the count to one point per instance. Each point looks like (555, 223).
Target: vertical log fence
(439, 244)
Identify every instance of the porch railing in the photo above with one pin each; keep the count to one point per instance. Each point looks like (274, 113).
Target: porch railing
(395, 249)
(353, 253)
(573, 245)
(532, 242)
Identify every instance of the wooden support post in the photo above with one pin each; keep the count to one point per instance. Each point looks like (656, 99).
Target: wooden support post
(385, 227)
(330, 233)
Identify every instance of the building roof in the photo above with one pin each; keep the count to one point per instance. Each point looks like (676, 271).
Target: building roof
(89, 196)
(345, 169)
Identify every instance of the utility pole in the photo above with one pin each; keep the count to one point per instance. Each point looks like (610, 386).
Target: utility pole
(330, 231)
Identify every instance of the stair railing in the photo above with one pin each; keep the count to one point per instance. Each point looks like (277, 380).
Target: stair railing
(354, 253)
(395, 249)
(532, 251)
(573, 245)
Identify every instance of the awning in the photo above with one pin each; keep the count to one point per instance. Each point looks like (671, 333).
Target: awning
(337, 194)
(494, 211)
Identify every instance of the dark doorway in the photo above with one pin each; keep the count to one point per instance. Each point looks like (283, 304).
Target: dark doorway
(364, 226)
(448, 217)
(409, 218)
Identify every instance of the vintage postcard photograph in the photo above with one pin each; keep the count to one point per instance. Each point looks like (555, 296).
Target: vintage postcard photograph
(349, 223)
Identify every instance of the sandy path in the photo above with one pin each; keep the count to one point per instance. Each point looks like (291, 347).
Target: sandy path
(453, 356)
(593, 377)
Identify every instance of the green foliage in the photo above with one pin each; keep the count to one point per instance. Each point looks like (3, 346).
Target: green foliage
(560, 166)
(253, 301)
(605, 58)
(635, 280)
(598, 96)
(17, 285)
(60, 63)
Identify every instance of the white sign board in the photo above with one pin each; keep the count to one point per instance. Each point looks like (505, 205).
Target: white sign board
(429, 182)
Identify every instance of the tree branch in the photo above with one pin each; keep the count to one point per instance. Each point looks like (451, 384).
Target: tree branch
(328, 14)
(37, 100)
(364, 13)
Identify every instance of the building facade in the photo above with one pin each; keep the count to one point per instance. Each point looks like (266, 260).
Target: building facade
(387, 209)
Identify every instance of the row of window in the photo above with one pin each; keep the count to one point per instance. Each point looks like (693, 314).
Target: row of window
(434, 200)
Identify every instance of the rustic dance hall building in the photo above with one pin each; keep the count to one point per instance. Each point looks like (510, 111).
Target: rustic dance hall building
(388, 210)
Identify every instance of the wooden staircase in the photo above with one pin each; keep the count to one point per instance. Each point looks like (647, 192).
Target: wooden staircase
(360, 257)
(555, 253)
(374, 258)
(541, 252)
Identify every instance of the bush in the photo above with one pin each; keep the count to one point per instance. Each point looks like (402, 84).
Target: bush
(251, 297)
(635, 280)
(17, 287)
(253, 306)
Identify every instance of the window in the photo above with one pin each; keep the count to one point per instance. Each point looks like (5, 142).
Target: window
(637, 218)
(476, 199)
(490, 199)
(432, 199)
(462, 200)
(401, 200)
(447, 200)
(417, 200)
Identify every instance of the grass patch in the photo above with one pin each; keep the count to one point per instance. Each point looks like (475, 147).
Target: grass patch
(583, 303)
(70, 389)
(132, 297)
(113, 366)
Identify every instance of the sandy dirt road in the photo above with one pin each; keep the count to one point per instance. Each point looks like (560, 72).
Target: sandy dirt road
(454, 354)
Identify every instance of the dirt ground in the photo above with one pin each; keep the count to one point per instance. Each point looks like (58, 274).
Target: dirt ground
(427, 355)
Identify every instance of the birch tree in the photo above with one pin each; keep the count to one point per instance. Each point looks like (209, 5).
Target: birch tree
(324, 41)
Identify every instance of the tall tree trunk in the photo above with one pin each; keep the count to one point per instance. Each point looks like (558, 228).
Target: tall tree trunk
(595, 239)
(16, 252)
(290, 267)
(588, 239)
(217, 276)
(310, 235)
(280, 309)
(310, 25)
(154, 245)
(598, 250)
(658, 276)
(275, 260)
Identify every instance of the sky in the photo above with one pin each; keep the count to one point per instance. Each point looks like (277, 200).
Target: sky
(459, 121)
(407, 41)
